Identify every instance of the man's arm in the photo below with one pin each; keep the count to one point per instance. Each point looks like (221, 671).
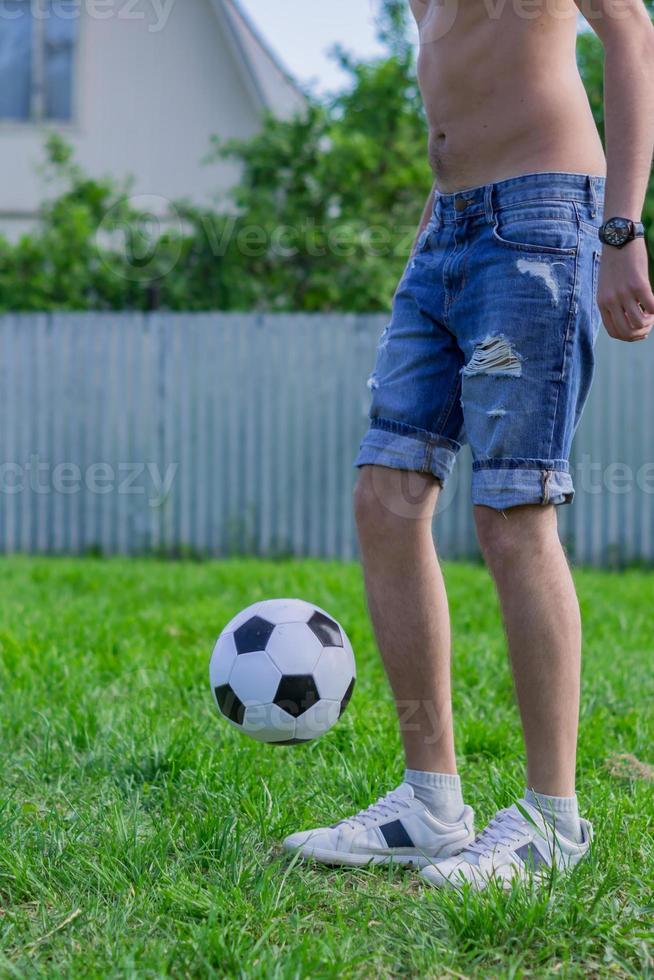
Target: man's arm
(425, 218)
(419, 9)
(624, 295)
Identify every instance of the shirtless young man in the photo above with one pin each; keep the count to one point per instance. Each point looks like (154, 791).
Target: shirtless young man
(492, 334)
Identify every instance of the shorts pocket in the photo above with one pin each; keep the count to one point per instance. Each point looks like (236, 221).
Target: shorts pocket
(538, 227)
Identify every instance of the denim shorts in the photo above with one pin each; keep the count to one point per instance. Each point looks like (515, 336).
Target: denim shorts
(491, 339)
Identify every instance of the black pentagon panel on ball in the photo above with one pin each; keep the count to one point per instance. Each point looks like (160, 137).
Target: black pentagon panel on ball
(230, 704)
(253, 636)
(327, 631)
(296, 694)
(347, 696)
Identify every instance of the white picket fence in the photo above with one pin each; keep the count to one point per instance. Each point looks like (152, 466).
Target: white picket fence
(224, 434)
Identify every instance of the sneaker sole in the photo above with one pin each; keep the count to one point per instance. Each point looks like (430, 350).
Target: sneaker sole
(322, 856)
(480, 883)
(456, 884)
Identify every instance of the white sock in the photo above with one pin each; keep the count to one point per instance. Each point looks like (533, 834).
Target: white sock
(561, 812)
(439, 791)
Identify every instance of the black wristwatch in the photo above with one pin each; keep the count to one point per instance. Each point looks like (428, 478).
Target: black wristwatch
(618, 231)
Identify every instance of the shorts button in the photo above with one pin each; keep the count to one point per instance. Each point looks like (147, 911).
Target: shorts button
(461, 203)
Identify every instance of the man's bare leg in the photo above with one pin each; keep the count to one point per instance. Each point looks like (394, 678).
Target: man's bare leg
(408, 607)
(541, 617)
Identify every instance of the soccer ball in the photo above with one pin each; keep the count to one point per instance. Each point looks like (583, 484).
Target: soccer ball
(282, 671)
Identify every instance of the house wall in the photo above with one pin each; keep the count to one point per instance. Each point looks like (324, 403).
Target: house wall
(271, 79)
(148, 98)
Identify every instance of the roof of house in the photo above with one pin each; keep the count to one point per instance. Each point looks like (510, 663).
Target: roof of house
(269, 83)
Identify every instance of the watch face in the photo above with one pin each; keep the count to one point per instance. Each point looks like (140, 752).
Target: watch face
(617, 231)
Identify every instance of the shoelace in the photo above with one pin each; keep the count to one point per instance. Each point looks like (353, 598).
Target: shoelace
(386, 806)
(506, 828)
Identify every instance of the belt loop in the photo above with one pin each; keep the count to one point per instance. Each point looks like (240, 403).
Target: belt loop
(488, 204)
(593, 196)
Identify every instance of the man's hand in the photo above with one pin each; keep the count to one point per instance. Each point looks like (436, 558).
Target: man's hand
(624, 294)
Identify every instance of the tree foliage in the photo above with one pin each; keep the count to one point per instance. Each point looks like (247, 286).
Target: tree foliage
(322, 218)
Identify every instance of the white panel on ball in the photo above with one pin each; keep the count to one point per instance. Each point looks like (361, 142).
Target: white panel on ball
(223, 659)
(254, 677)
(333, 672)
(285, 610)
(268, 723)
(317, 720)
(294, 648)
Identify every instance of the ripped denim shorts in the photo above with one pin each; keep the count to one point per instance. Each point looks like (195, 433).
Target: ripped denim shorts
(491, 339)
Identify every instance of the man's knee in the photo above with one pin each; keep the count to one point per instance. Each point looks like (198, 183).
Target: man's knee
(504, 535)
(370, 513)
(385, 498)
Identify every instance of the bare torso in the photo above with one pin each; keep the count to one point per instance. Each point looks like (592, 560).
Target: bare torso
(502, 91)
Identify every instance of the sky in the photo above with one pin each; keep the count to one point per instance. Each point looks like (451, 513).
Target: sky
(301, 32)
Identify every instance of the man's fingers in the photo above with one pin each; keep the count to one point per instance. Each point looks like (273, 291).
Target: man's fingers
(638, 316)
(632, 315)
(645, 294)
(645, 299)
(626, 325)
(609, 325)
(621, 327)
(641, 294)
(628, 330)
(626, 298)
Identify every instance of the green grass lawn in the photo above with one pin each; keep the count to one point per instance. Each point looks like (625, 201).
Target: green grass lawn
(140, 834)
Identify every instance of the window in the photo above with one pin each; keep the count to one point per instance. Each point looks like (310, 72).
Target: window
(15, 63)
(37, 56)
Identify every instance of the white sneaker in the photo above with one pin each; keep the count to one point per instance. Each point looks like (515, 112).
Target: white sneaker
(511, 847)
(397, 829)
